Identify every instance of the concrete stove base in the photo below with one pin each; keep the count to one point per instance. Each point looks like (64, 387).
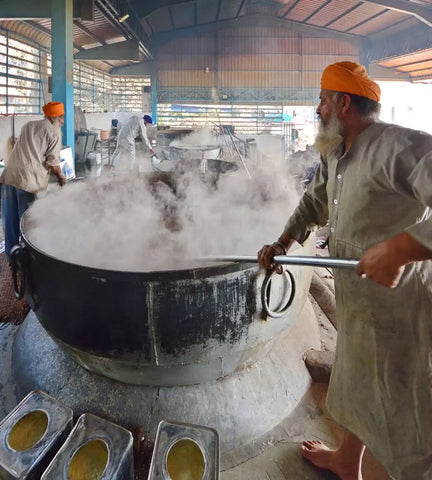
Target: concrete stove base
(242, 407)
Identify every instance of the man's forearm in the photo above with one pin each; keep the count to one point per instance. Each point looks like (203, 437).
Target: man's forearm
(56, 170)
(385, 262)
(280, 247)
(146, 140)
(408, 249)
(287, 240)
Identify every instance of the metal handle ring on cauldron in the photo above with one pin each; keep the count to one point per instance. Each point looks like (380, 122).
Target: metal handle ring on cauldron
(17, 263)
(265, 294)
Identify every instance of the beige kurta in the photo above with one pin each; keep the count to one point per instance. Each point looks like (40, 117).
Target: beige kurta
(37, 148)
(381, 383)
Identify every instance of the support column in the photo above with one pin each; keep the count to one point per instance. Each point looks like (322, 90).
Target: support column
(154, 87)
(62, 64)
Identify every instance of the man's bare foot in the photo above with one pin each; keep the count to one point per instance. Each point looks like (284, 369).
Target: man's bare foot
(318, 454)
(334, 460)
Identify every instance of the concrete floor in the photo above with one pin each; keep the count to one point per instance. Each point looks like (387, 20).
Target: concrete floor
(282, 461)
(279, 458)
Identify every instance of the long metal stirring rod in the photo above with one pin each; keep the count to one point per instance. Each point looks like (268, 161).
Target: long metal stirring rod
(331, 262)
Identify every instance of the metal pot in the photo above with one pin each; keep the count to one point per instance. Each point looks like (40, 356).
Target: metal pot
(159, 328)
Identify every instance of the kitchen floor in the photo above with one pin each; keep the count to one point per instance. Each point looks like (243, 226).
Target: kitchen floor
(282, 461)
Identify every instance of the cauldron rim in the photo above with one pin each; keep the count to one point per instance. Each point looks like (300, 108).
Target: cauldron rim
(197, 272)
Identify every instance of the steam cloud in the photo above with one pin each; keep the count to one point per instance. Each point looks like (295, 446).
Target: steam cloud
(124, 222)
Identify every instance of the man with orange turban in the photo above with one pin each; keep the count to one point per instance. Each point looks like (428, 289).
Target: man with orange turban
(35, 155)
(373, 188)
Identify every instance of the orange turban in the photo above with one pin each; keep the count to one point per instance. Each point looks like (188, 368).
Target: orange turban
(53, 109)
(350, 77)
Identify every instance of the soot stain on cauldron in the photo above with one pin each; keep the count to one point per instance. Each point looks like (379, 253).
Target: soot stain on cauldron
(205, 317)
(107, 319)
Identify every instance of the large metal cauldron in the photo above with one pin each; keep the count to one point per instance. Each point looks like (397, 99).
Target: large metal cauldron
(160, 328)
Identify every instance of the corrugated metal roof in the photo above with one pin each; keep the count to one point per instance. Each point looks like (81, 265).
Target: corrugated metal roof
(418, 65)
(364, 20)
(330, 11)
(382, 20)
(301, 11)
(183, 15)
(160, 20)
(207, 11)
(396, 28)
(359, 14)
(229, 9)
(27, 31)
(406, 60)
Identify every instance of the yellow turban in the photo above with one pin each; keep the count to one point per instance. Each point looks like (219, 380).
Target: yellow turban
(350, 77)
(53, 109)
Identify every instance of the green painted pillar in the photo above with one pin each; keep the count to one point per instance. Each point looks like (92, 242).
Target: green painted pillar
(154, 98)
(62, 64)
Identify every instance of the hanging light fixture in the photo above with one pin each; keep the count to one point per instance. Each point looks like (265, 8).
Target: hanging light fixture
(123, 17)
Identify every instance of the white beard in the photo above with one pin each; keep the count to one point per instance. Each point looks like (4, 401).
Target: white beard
(329, 136)
(56, 123)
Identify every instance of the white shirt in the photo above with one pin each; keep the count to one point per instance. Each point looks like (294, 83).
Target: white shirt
(37, 148)
(135, 126)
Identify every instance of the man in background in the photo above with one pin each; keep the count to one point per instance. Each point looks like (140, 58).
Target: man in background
(34, 156)
(124, 154)
(373, 187)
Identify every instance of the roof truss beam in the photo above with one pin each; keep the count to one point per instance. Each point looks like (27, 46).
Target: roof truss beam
(260, 20)
(90, 34)
(144, 9)
(128, 50)
(138, 69)
(29, 9)
(131, 28)
(421, 12)
(36, 26)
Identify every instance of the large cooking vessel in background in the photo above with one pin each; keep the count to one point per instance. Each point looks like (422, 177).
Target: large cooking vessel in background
(166, 328)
